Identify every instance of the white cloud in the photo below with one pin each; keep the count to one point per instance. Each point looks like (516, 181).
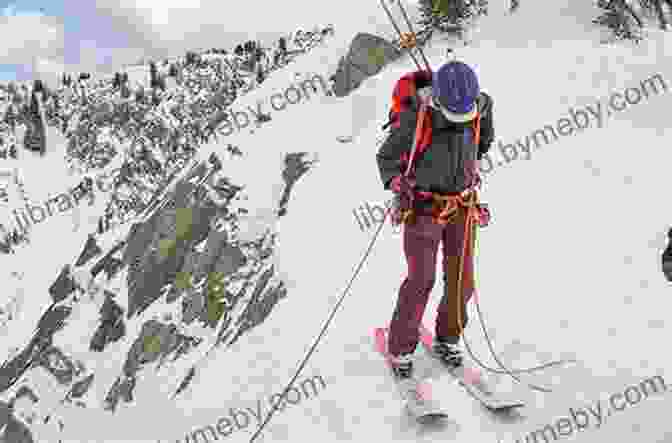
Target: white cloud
(177, 25)
(160, 28)
(23, 37)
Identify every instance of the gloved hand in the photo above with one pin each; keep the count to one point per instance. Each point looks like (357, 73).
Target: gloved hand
(477, 181)
(403, 186)
(484, 215)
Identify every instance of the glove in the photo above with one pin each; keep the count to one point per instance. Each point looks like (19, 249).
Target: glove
(477, 181)
(484, 215)
(403, 186)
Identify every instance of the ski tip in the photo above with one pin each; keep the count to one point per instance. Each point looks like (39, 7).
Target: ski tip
(379, 336)
(426, 337)
(472, 375)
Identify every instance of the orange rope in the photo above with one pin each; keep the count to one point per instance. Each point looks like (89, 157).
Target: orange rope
(467, 200)
(419, 127)
(470, 216)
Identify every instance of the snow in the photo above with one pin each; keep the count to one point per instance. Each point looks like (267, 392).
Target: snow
(569, 268)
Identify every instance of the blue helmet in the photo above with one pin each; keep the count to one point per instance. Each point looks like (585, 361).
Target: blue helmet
(455, 87)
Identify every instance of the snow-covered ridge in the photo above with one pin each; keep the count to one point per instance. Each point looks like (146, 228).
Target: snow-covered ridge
(95, 311)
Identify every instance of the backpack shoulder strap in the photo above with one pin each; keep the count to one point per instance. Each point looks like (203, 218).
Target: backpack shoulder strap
(419, 132)
(476, 126)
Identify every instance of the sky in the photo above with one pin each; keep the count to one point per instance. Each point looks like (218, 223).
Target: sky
(44, 37)
(51, 34)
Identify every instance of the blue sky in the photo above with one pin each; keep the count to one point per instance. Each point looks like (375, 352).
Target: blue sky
(83, 28)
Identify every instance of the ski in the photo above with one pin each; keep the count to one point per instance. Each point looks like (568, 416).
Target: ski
(473, 381)
(415, 394)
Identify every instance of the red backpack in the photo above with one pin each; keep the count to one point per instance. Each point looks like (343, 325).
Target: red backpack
(404, 95)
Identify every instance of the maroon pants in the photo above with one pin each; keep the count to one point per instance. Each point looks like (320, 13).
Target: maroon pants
(421, 243)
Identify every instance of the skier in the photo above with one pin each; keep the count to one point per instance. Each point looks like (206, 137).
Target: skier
(433, 200)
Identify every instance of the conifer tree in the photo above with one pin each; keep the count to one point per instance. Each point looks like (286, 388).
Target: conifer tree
(448, 15)
(620, 18)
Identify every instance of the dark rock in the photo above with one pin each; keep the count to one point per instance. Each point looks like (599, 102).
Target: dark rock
(260, 307)
(52, 321)
(155, 341)
(80, 388)
(33, 354)
(111, 327)
(13, 431)
(58, 364)
(295, 167)
(24, 391)
(187, 380)
(121, 390)
(63, 286)
(91, 249)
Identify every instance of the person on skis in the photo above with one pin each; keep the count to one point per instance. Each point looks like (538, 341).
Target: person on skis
(456, 130)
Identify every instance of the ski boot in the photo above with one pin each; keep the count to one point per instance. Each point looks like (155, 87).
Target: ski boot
(449, 353)
(402, 366)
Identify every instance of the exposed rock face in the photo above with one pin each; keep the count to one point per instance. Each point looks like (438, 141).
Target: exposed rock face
(12, 430)
(91, 249)
(296, 165)
(112, 327)
(185, 265)
(367, 55)
(63, 286)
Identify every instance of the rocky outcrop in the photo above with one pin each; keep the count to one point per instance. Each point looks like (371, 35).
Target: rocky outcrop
(63, 286)
(185, 265)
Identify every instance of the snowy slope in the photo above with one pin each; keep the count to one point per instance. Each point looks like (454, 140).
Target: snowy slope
(569, 267)
(531, 319)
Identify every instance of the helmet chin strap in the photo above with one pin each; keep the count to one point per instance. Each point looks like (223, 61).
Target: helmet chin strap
(436, 105)
(447, 114)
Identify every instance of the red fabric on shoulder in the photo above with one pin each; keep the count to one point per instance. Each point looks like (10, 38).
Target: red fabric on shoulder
(404, 90)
